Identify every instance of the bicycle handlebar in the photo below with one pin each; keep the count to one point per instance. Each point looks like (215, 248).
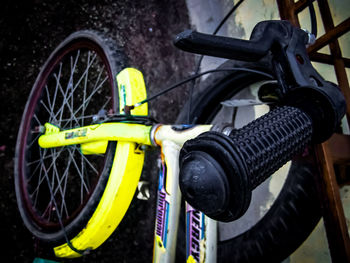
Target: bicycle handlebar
(219, 172)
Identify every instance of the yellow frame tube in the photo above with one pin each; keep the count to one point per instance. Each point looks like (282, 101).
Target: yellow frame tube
(167, 133)
(137, 133)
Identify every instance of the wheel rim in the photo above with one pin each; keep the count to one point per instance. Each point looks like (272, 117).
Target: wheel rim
(76, 83)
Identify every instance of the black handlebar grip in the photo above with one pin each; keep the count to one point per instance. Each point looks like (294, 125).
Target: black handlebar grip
(272, 140)
(218, 172)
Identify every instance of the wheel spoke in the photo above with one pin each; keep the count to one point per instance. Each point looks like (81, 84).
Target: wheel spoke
(44, 171)
(67, 97)
(47, 170)
(47, 212)
(106, 103)
(56, 87)
(59, 187)
(85, 86)
(86, 71)
(33, 141)
(39, 162)
(63, 206)
(65, 102)
(38, 121)
(89, 98)
(52, 200)
(55, 175)
(96, 89)
(50, 109)
(52, 116)
(84, 104)
(89, 163)
(41, 179)
(79, 172)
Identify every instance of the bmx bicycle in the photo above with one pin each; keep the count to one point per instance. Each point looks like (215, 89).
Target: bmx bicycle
(83, 135)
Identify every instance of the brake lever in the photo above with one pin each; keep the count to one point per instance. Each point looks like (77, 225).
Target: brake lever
(303, 87)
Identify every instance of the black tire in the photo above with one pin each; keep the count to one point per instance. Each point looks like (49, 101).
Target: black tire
(295, 212)
(84, 65)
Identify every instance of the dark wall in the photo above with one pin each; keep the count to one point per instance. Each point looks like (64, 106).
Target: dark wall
(29, 31)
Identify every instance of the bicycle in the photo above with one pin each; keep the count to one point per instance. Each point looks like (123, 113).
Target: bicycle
(53, 138)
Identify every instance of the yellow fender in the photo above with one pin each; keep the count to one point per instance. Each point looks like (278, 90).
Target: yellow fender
(123, 179)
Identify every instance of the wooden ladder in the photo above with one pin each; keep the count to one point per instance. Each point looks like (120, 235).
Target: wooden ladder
(335, 151)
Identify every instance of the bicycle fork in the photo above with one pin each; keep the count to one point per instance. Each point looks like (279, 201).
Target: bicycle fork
(201, 236)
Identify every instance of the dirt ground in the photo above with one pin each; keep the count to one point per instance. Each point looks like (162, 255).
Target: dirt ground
(29, 31)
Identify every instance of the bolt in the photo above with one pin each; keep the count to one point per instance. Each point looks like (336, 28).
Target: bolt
(311, 38)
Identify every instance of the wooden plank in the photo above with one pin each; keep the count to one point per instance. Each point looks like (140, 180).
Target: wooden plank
(331, 35)
(327, 59)
(339, 66)
(287, 11)
(343, 82)
(334, 218)
(333, 213)
(339, 146)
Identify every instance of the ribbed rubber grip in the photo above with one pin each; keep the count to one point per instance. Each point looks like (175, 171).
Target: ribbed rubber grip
(219, 172)
(270, 141)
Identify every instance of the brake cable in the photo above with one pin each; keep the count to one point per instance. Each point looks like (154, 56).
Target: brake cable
(128, 108)
(312, 18)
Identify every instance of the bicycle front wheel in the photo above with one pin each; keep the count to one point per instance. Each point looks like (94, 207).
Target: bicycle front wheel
(62, 193)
